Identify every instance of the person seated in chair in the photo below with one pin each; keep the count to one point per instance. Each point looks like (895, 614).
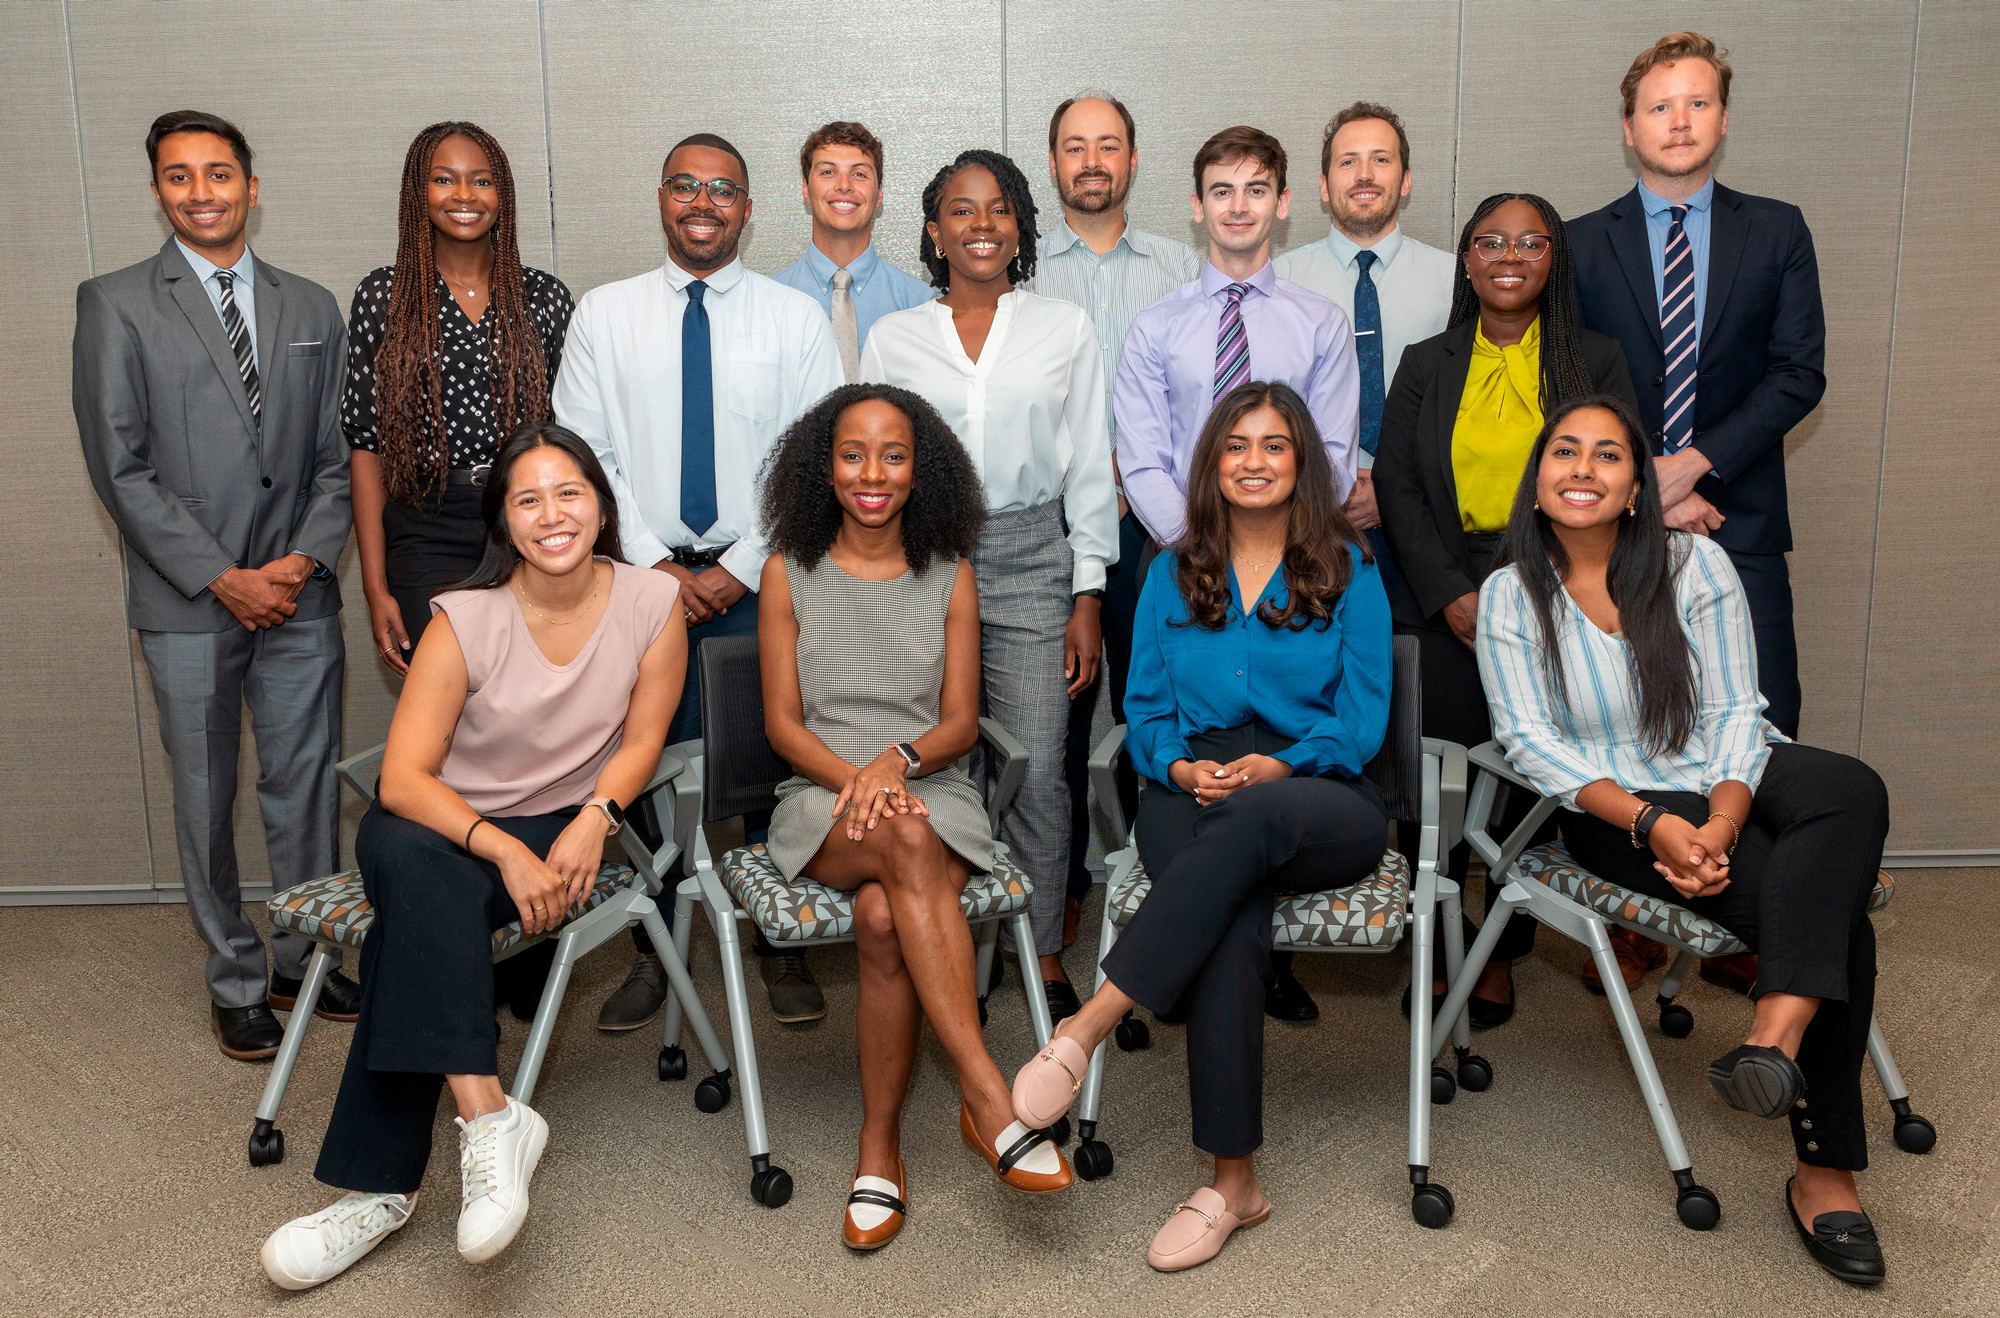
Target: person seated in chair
(535, 710)
(1622, 671)
(1261, 672)
(868, 635)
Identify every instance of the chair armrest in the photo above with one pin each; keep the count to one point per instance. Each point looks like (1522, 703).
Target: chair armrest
(1452, 778)
(1494, 773)
(355, 771)
(1490, 757)
(1104, 777)
(1007, 768)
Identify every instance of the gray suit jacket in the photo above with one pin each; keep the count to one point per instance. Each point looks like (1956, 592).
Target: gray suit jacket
(171, 449)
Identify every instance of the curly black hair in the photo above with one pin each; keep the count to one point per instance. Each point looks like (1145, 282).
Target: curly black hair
(1013, 186)
(801, 517)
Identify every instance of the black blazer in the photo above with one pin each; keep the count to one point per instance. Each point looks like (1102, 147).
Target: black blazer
(1414, 485)
(1763, 345)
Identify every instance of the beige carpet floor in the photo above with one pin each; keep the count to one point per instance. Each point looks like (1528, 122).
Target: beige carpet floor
(124, 1188)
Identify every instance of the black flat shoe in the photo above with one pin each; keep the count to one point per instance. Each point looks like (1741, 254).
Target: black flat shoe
(248, 1034)
(1062, 999)
(1285, 999)
(339, 996)
(1759, 1080)
(1486, 1014)
(1842, 1243)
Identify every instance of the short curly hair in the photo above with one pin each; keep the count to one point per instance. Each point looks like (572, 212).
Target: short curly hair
(801, 517)
(1013, 186)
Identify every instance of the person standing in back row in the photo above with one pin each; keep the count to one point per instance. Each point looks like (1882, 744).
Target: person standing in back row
(1715, 297)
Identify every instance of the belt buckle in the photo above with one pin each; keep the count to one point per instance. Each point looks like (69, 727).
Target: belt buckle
(480, 471)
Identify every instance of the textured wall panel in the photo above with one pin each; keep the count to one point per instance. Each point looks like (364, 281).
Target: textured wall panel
(68, 759)
(351, 84)
(1281, 66)
(1542, 115)
(626, 82)
(1931, 723)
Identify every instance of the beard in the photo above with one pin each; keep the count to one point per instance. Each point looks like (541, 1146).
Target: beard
(1095, 203)
(711, 255)
(1682, 168)
(1357, 223)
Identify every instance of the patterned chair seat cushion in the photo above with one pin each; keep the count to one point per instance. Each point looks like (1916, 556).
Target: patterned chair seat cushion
(1669, 921)
(1371, 913)
(801, 911)
(335, 910)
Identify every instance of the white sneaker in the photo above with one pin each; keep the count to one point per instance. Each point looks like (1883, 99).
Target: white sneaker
(496, 1160)
(309, 1250)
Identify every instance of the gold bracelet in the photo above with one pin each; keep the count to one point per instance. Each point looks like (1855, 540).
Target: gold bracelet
(1633, 827)
(1735, 829)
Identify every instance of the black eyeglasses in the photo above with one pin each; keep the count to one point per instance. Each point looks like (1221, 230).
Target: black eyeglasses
(1529, 246)
(684, 188)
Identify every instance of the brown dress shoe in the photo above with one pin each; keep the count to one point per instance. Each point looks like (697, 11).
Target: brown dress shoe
(1735, 973)
(1636, 954)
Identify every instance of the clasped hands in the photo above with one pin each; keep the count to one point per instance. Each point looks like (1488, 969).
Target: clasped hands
(1210, 783)
(706, 593)
(544, 891)
(878, 788)
(1694, 860)
(261, 597)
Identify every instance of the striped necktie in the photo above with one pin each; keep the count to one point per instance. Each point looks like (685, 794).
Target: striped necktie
(239, 343)
(1232, 344)
(1678, 331)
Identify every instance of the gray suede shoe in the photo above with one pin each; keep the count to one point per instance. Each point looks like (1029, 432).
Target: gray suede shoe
(638, 1000)
(795, 995)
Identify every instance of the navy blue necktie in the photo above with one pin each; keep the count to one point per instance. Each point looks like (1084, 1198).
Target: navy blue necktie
(697, 416)
(1678, 333)
(1368, 349)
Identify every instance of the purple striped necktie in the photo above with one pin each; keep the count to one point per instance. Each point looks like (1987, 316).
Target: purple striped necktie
(1679, 333)
(1232, 344)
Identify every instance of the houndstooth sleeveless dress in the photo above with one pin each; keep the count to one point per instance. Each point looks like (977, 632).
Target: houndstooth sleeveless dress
(871, 669)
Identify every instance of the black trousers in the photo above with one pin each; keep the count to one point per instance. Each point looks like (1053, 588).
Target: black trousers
(1798, 893)
(1202, 939)
(429, 549)
(1767, 586)
(1121, 604)
(426, 993)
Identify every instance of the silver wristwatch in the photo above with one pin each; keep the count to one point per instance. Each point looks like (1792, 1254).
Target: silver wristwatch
(911, 760)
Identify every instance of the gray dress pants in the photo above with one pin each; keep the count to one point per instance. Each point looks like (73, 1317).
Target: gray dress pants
(1024, 568)
(290, 676)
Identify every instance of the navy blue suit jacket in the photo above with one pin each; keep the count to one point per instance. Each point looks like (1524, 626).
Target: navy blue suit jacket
(1763, 345)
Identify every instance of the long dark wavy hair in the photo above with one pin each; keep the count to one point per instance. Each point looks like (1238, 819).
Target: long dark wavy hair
(1640, 579)
(1565, 374)
(1318, 537)
(500, 557)
(409, 395)
(1013, 186)
(947, 505)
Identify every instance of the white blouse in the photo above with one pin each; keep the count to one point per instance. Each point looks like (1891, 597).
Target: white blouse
(1030, 411)
(1564, 747)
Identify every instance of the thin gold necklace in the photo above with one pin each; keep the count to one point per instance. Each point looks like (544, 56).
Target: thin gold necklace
(580, 610)
(1258, 563)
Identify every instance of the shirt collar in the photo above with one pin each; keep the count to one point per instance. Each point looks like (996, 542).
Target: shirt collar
(1655, 204)
(1345, 249)
(823, 268)
(1063, 238)
(720, 281)
(1213, 281)
(245, 268)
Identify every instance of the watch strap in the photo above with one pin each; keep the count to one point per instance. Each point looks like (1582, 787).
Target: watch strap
(611, 812)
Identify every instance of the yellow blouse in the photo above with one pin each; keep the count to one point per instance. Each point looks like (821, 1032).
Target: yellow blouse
(1498, 418)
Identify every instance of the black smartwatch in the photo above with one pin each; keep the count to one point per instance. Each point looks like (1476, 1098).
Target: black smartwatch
(1642, 827)
(1096, 593)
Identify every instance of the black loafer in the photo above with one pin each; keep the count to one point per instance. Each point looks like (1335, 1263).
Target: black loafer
(1486, 1014)
(248, 1034)
(1842, 1243)
(339, 996)
(1759, 1080)
(1062, 999)
(1285, 999)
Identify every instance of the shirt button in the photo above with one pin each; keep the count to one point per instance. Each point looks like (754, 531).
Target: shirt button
(1239, 672)
(1805, 1125)
(1812, 1146)
(267, 482)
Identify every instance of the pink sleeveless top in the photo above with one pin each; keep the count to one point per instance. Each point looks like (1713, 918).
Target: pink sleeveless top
(534, 736)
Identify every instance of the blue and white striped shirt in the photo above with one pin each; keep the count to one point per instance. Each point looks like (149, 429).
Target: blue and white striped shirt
(1564, 748)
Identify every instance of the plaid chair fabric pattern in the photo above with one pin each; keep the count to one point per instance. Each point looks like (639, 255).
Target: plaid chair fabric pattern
(1370, 913)
(801, 911)
(335, 909)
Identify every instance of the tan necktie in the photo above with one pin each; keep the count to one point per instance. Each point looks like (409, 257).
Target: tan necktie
(846, 334)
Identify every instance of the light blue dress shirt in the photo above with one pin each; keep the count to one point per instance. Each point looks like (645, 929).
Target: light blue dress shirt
(1700, 207)
(1139, 270)
(245, 271)
(879, 287)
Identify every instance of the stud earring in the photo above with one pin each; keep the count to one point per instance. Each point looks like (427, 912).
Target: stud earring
(1538, 505)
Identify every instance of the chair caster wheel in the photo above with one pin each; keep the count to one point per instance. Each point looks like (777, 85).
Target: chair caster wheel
(267, 1144)
(1444, 1087)
(1093, 1160)
(1676, 1021)
(771, 1187)
(1475, 1073)
(1060, 1132)
(673, 1064)
(1698, 1207)
(1133, 1035)
(1432, 1206)
(1913, 1135)
(712, 1094)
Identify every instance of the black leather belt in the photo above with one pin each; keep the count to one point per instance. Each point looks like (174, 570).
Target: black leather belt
(469, 475)
(694, 560)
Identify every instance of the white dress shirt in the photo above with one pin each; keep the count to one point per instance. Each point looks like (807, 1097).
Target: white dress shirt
(245, 272)
(1030, 411)
(1412, 284)
(773, 356)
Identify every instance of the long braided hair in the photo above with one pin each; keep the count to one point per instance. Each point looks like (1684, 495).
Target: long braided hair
(409, 396)
(1565, 374)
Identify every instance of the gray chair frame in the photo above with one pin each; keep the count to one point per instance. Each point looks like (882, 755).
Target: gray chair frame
(1696, 1205)
(575, 938)
(1434, 904)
